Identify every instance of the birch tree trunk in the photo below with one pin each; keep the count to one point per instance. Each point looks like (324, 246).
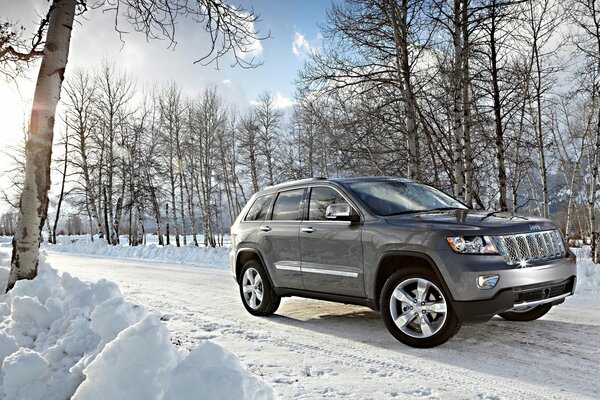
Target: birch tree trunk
(62, 187)
(466, 105)
(595, 147)
(399, 20)
(499, 129)
(458, 133)
(34, 199)
(167, 228)
(592, 195)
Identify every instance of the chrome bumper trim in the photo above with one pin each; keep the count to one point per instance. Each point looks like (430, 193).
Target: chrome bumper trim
(538, 302)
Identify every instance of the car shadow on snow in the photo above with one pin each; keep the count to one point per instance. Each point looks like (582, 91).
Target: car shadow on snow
(545, 352)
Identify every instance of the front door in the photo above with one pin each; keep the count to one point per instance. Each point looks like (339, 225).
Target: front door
(332, 259)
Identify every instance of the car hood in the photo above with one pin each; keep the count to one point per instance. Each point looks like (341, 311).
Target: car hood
(474, 221)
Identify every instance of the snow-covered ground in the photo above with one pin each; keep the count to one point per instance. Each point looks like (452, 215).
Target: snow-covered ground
(63, 338)
(314, 350)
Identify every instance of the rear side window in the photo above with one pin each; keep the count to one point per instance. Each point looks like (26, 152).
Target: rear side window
(287, 205)
(258, 211)
(320, 199)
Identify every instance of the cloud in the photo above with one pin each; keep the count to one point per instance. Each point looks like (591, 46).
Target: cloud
(252, 46)
(280, 102)
(302, 47)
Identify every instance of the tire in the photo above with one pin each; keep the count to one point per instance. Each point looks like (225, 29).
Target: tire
(527, 315)
(418, 308)
(256, 291)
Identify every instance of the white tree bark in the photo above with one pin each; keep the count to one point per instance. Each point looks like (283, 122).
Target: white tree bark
(34, 199)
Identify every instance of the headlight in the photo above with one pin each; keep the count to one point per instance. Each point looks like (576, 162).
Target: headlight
(472, 245)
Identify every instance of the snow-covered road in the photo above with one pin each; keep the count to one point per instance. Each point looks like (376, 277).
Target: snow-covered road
(314, 349)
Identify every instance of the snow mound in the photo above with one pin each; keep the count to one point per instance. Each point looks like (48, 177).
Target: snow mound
(122, 370)
(207, 257)
(217, 374)
(61, 337)
(588, 273)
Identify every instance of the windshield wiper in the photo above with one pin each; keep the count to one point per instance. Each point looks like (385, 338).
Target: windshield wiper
(423, 211)
(447, 208)
(404, 212)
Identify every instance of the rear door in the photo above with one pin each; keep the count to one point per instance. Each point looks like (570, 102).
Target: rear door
(278, 239)
(332, 256)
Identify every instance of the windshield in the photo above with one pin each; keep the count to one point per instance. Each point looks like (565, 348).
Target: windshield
(392, 197)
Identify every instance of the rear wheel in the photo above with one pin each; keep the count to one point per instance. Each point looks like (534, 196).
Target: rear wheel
(416, 310)
(528, 314)
(256, 291)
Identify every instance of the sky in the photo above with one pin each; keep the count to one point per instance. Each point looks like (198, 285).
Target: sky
(292, 24)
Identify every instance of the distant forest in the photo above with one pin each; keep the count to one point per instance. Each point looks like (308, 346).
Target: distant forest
(494, 102)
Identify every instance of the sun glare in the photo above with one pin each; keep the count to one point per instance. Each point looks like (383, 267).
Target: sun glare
(14, 111)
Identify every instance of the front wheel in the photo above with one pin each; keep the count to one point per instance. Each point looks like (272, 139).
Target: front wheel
(416, 310)
(529, 314)
(256, 291)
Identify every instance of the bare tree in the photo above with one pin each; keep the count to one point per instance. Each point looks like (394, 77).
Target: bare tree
(268, 119)
(249, 145)
(586, 16)
(63, 180)
(231, 30)
(172, 113)
(34, 199)
(209, 120)
(80, 91)
(113, 96)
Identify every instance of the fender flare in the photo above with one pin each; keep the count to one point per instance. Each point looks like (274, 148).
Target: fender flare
(262, 261)
(415, 254)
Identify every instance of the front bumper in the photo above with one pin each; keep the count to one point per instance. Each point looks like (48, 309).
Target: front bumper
(514, 298)
(516, 287)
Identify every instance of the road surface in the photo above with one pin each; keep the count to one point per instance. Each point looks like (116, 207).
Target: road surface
(313, 349)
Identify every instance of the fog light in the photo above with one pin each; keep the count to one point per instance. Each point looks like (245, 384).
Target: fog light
(487, 281)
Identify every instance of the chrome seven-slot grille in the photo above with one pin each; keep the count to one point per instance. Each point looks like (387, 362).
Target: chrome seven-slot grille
(519, 249)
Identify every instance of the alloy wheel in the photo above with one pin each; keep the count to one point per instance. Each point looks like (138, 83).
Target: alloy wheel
(252, 285)
(418, 308)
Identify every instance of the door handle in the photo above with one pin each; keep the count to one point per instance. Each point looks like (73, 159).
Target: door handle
(308, 229)
(265, 228)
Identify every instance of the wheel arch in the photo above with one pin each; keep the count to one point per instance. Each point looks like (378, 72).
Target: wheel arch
(246, 254)
(393, 260)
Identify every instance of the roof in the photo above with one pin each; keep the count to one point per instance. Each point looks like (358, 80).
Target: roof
(342, 180)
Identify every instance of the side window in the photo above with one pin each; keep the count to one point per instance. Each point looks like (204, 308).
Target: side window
(320, 198)
(287, 205)
(259, 209)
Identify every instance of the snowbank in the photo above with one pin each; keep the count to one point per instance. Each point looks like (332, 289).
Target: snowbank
(61, 337)
(588, 273)
(206, 257)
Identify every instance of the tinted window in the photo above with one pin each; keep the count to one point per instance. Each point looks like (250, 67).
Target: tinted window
(287, 205)
(259, 209)
(320, 198)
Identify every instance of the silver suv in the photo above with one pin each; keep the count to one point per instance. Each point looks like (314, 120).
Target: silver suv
(420, 257)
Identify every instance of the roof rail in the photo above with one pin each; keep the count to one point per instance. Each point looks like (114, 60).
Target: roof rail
(315, 178)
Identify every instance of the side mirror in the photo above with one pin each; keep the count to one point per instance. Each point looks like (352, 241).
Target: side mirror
(341, 212)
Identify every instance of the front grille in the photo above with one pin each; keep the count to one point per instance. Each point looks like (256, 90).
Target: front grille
(541, 293)
(536, 246)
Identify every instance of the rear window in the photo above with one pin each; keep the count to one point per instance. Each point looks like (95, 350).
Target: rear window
(287, 205)
(260, 208)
